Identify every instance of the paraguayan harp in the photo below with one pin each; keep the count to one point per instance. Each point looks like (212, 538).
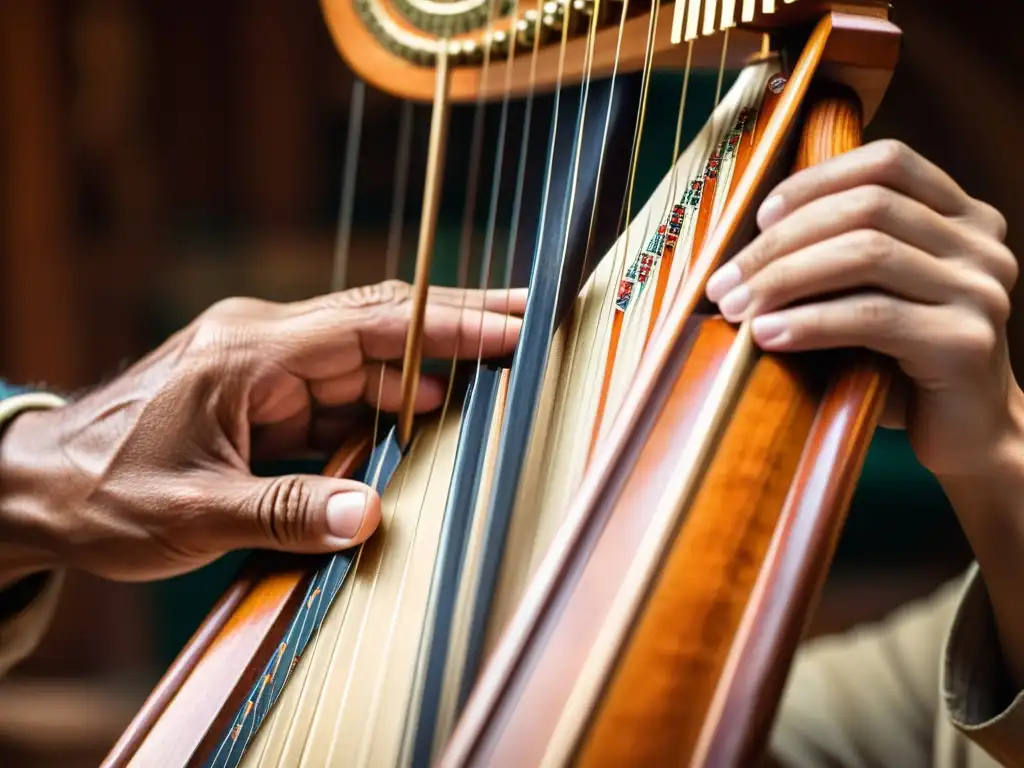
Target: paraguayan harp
(639, 477)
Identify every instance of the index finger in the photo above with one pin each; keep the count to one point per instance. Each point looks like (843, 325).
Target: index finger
(885, 163)
(329, 338)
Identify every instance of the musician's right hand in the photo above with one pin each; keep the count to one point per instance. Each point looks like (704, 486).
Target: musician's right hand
(879, 248)
(148, 476)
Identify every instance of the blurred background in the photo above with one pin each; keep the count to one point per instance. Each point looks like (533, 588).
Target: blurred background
(157, 156)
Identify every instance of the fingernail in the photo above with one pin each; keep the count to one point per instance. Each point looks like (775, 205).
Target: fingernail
(770, 330)
(345, 513)
(735, 302)
(723, 281)
(770, 211)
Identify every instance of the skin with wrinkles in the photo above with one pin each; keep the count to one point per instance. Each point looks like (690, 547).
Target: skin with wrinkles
(149, 476)
(877, 248)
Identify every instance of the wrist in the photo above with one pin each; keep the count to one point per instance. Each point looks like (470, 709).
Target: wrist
(989, 499)
(30, 487)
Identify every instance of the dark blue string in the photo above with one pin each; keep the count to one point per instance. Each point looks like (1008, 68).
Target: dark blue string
(323, 588)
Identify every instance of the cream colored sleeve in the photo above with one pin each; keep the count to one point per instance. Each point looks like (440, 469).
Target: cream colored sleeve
(869, 697)
(976, 690)
(21, 632)
(930, 677)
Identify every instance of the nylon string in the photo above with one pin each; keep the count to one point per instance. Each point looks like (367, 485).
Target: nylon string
(476, 146)
(472, 182)
(591, 352)
(342, 255)
(391, 271)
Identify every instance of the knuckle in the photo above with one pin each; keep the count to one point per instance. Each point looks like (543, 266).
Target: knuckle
(235, 308)
(871, 205)
(390, 293)
(875, 248)
(993, 298)
(879, 313)
(759, 253)
(229, 326)
(891, 156)
(976, 342)
(990, 220)
(394, 291)
(283, 510)
(1004, 265)
(773, 285)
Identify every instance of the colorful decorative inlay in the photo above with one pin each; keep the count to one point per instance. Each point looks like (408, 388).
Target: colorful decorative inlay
(667, 234)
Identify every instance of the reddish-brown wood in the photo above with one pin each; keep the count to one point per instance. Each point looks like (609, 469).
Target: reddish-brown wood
(792, 575)
(388, 72)
(655, 703)
(678, 678)
(203, 687)
(741, 538)
(654, 706)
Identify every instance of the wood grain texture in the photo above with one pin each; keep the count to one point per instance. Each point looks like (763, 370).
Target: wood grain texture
(531, 674)
(390, 73)
(514, 664)
(203, 688)
(527, 722)
(794, 570)
(686, 663)
(386, 71)
(655, 704)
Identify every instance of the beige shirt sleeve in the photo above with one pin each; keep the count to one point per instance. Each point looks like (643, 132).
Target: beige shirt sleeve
(21, 632)
(925, 687)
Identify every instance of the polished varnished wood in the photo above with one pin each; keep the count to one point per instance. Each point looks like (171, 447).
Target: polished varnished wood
(656, 702)
(404, 79)
(678, 677)
(751, 544)
(794, 568)
(543, 72)
(203, 687)
(519, 702)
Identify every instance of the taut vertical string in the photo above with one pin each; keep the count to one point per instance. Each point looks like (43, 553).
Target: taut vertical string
(348, 187)
(401, 180)
(425, 245)
(472, 182)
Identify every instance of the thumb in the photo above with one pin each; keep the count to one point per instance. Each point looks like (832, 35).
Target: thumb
(304, 513)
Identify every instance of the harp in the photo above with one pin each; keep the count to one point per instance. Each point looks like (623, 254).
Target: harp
(605, 552)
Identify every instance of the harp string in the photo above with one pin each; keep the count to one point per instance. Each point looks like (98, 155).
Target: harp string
(391, 271)
(607, 300)
(342, 256)
(424, 251)
(425, 659)
(399, 185)
(662, 285)
(623, 230)
(343, 237)
(374, 709)
(469, 210)
(672, 290)
(524, 144)
(252, 716)
(490, 230)
(560, 417)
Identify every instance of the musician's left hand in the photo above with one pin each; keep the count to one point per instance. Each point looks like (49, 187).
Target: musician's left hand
(881, 249)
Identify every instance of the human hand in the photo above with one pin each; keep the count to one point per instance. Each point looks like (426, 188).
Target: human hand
(917, 271)
(148, 476)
